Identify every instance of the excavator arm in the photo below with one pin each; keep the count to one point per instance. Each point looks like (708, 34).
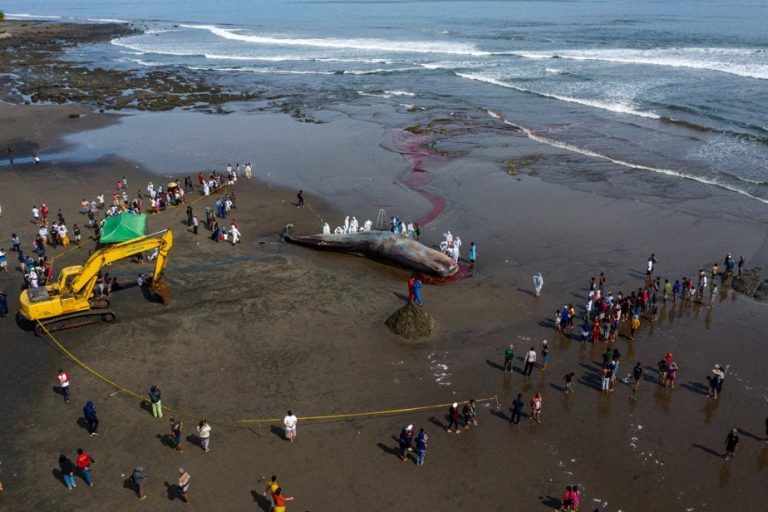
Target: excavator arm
(82, 284)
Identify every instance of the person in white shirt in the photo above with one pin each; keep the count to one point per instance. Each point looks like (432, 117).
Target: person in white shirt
(326, 229)
(204, 431)
(235, 234)
(63, 379)
(530, 361)
(289, 422)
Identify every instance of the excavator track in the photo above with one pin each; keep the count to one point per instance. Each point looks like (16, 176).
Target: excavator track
(93, 316)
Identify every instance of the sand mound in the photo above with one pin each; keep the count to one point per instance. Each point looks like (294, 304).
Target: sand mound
(752, 284)
(411, 321)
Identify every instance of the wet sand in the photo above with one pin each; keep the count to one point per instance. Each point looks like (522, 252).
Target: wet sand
(262, 327)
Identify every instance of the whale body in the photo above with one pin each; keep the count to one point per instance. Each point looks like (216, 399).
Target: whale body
(385, 247)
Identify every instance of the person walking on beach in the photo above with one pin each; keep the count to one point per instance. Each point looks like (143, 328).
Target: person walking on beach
(63, 380)
(538, 284)
(300, 197)
(204, 431)
(741, 264)
(176, 428)
(712, 293)
(183, 485)
(517, 409)
(67, 469)
(731, 442)
(289, 425)
(155, 396)
(453, 418)
(509, 359)
(536, 408)
(195, 224)
(84, 462)
(404, 441)
(138, 477)
(634, 325)
(417, 291)
(472, 255)
(530, 362)
(89, 413)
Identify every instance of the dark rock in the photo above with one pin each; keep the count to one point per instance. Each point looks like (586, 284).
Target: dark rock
(748, 282)
(752, 284)
(411, 321)
(74, 116)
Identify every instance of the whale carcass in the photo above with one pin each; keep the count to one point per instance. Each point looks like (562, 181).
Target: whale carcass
(385, 247)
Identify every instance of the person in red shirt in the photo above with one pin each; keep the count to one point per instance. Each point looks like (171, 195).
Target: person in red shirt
(279, 499)
(63, 379)
(83, 463)
(411, 283)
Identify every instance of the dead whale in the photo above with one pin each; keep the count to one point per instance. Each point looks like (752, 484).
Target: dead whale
(385, 247)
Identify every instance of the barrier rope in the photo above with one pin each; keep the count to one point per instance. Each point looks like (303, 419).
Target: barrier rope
(236, 422)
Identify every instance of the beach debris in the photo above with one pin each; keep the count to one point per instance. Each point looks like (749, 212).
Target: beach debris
(752, 284)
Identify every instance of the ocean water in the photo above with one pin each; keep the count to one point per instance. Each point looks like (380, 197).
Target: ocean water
(677, 89)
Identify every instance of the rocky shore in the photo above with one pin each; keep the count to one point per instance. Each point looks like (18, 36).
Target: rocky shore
(34, 70)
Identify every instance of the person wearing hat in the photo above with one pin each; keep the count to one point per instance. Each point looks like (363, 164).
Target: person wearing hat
(453, 418)
(731, 441)
(405, 441)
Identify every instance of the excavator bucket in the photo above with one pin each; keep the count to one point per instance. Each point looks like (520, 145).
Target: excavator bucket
(163, 291)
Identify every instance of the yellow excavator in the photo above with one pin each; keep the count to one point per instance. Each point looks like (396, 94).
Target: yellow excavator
(70, 303)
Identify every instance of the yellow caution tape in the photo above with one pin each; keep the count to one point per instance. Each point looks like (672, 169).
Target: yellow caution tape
(350, 415)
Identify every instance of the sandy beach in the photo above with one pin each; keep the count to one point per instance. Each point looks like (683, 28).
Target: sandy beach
(262, 327)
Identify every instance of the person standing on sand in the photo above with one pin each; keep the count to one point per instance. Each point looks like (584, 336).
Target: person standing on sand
(731, 442)
(741, 264)
(89, 413)
(411, 283)
(470, 415)
(3, 304)
(138, 477)
(509, 359)
(63, 380)
(530, 362)
(279, 500)
(472, 255)
(67, 469)
(538, 284)
(568, 379)
(289, 424)
(544, 354)
(83, 463)
(421, 447)
(637, 375)
(517, 409)
(204, 431)
(300, 197)
(195, 224)
(176, 428)
(155, 396)
(272, 486)
(184, 485)
(672, 375)
(536, 402)
(417, 291)
(453, 418)
(404, 441)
